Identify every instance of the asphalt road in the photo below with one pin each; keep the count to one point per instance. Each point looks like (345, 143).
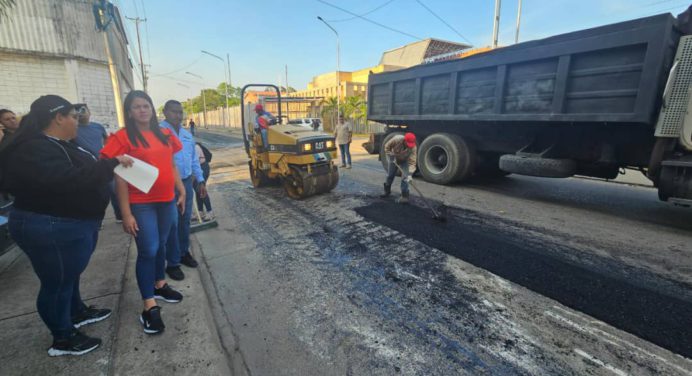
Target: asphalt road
(529, 276)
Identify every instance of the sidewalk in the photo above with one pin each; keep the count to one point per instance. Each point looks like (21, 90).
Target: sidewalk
(189, 346)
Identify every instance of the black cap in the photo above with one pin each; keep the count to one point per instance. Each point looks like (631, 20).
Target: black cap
(50, 104)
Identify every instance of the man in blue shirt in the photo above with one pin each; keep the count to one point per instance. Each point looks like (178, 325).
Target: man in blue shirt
(263, 120)
(91, 136)
(187, 161)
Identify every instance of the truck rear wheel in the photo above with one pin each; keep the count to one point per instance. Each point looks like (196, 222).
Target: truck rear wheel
(445, 158)
(542, 167)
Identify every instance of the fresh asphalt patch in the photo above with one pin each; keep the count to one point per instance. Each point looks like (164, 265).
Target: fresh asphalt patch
(631, 300)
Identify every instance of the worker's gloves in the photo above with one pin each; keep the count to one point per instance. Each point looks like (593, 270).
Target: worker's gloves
(408, 179)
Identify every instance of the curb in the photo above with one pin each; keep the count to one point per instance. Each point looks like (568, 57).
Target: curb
(222, 324)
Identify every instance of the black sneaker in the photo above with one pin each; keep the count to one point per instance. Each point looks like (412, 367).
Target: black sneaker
(77, 344)
(175, 273)
(151, 320)
(188, 260)
(168, 294)
(90, 315)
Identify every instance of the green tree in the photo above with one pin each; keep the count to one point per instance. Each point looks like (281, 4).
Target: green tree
(329, 106)
(355, 108)
(215, 98)
(233, 93)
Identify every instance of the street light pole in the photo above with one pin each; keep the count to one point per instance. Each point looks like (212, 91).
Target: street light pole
(338, 71)
(225, 73)
(230, 81)
(204, 98)
(496, 22)
(516, 36)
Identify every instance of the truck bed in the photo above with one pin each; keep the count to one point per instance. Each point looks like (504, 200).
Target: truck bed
(613, 74)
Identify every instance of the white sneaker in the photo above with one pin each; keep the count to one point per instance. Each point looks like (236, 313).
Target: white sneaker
(210, 215)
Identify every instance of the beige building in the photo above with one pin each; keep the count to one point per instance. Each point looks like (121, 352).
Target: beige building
(356, 83)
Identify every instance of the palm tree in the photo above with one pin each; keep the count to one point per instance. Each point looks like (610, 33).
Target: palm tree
(355, 108)
(5, 6)
(329, 106)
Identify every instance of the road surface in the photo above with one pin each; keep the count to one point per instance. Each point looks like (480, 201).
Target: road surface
(528, 276)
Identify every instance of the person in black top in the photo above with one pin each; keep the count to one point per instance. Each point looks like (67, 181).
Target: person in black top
(61, 193)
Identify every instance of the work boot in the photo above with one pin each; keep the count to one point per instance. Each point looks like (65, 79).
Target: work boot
(403, 199)
(387, 190)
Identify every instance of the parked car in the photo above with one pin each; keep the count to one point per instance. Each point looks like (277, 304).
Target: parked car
(314, 123)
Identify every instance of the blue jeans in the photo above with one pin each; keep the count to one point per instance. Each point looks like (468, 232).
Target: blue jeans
(155, 221)
(202, 202)
(59, 250)
(345, 153)
(391, 173)
(179, 238)
(265, 139)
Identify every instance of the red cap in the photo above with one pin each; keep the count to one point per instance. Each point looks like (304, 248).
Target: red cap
(410, 139)
(259, 107)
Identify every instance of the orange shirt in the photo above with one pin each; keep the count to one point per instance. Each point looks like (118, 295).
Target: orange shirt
(157, 155)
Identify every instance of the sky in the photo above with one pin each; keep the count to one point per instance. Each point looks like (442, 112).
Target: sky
(263, 37)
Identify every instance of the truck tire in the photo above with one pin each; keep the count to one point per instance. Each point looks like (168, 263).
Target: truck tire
(542, 167)
(383, 155)
(445, 158)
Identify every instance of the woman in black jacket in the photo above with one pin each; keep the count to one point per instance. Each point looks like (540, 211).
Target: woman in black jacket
(61, 193)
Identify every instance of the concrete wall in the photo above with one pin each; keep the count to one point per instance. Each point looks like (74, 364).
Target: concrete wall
(53, 47)
(24, 78)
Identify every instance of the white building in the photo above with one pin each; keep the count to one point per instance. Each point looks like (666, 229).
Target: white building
(55, 47)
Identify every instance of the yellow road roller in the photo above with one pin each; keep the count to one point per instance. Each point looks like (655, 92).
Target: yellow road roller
(299, 158)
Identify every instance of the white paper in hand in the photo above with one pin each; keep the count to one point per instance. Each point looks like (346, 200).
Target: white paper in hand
(141, 175)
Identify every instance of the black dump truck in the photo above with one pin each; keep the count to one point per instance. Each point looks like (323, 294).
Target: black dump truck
(590, 103)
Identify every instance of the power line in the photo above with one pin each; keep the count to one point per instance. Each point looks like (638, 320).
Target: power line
(134, 2)
(443, 21)
(654, 3)
(137, 21)
(639, 12)
(130, 47)
(364, 14)
(179, 69)
(371, 21)
(146, 30)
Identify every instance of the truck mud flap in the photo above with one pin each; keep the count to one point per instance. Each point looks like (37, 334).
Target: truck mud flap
(542, 167)
(370, 148)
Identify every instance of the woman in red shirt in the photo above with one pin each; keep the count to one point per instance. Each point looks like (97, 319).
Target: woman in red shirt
(149, 217)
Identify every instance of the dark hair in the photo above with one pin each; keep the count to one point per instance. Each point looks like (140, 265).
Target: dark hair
(170, 103)
(131, 127)
(31, 126)
(4, 111)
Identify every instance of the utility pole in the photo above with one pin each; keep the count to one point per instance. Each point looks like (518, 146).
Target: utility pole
(516, 36)
(204, 98)
(225, 114)
(496, 22)
(137, 20)
(287, 92)
(228, 67)
(338, 73)
(115, 82)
